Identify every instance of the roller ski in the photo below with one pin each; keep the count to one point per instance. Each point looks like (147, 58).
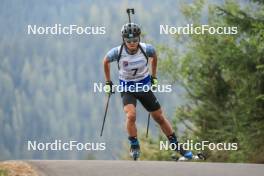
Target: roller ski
(189, 157)
(185, 154)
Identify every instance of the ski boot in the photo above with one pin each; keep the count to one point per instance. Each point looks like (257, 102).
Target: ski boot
(135, 152)
(134, 148)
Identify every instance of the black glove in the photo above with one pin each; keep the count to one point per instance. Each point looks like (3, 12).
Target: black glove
(154, 82)
(109, 87)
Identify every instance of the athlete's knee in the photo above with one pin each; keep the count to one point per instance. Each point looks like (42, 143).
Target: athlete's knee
(130, 114)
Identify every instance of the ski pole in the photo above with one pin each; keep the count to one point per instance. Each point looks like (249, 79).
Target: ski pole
(106, 108)
(148, 125)
(148, 122)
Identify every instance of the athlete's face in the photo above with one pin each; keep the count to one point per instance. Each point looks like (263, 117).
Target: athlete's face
(132, 43)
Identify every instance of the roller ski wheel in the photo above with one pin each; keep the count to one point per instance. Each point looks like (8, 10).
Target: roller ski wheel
(201, 156)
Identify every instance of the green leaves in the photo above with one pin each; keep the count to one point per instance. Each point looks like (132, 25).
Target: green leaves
(224, 82)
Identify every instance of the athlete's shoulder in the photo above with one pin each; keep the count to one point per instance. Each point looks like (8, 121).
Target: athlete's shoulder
(112, 54)
(148, 48)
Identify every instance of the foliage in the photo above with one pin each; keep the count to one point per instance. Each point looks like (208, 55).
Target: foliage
(224, 80)
(3, 172)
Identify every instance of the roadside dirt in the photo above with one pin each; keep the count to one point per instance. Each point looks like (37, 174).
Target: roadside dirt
(16, 168)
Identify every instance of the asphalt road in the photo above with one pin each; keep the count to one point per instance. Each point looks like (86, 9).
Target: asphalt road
(142, 168)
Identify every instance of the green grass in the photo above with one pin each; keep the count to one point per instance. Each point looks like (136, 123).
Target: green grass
(3, 172)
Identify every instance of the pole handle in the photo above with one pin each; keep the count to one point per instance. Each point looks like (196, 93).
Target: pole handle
(132, 10)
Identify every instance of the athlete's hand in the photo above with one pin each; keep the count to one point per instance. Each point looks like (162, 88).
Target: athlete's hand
(109, 87)
(154, 82)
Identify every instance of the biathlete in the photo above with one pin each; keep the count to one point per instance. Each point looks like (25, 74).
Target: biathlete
(132, 58)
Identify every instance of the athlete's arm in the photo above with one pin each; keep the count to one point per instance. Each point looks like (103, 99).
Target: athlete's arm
(111, 56)
(153, 63)
(106, 64)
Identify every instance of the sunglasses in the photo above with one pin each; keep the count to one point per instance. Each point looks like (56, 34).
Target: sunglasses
(130, 40)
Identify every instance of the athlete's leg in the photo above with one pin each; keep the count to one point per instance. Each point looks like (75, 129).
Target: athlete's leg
(151, 104)
(130, 111)
(129, 101)
(165, 125)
